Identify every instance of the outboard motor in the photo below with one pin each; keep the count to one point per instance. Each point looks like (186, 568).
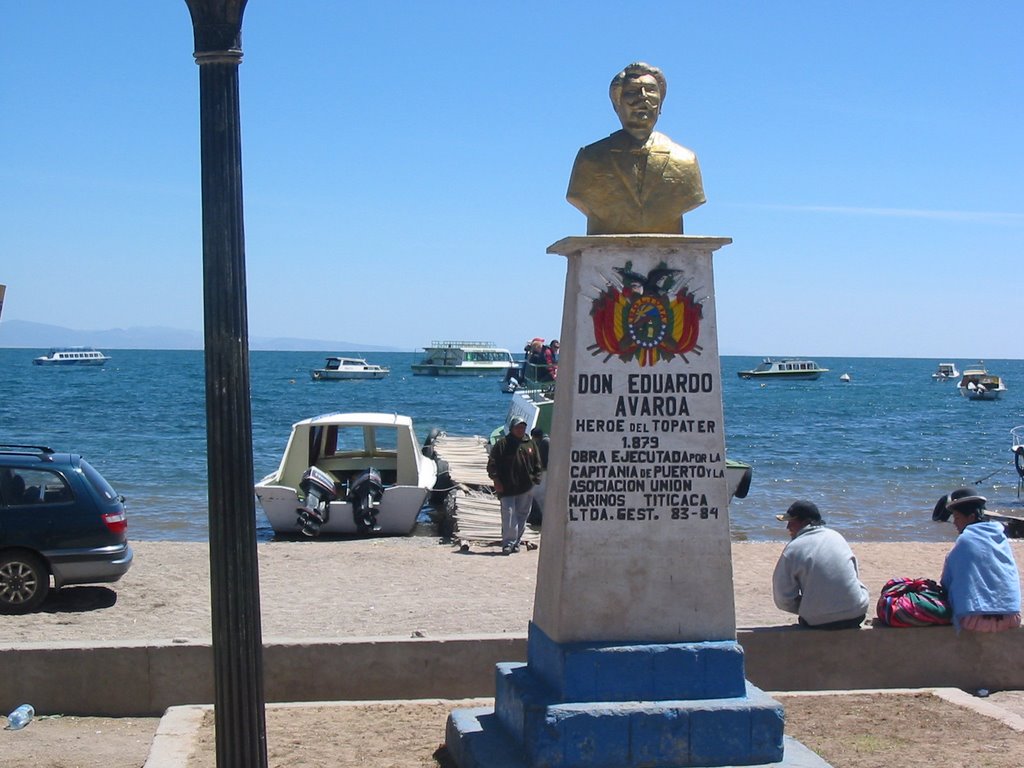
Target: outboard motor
(365, 494)
(320, 492)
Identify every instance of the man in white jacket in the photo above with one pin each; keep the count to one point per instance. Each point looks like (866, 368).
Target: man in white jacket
(816, 576)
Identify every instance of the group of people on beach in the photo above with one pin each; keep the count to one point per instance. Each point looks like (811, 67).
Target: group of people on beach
(817, 576)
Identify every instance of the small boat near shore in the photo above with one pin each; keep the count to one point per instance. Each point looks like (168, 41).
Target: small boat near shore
(342, 368)
(784, 368)
(946, 372)
(349, 473)
(72, 356)
(463, 358)
(978, 384)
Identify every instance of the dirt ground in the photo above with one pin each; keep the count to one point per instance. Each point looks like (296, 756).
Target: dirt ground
(916, 730)
(394, 587)
(79, 742)
(848, 731)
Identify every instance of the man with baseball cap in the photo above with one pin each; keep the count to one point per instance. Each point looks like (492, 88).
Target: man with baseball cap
(816, 576)
(514, 466)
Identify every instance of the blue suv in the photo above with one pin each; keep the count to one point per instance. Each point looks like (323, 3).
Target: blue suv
(59, 519)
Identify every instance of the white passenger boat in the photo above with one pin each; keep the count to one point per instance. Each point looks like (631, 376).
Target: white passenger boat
(978, 384)
(946, 372)
(784, 368)
(463, 358)
(336, 368)
(348, 473)
(72, 356)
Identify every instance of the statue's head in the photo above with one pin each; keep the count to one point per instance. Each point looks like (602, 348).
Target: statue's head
(637, 94)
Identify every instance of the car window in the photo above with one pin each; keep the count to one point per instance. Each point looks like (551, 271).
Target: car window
(26, 485)
(98, 482)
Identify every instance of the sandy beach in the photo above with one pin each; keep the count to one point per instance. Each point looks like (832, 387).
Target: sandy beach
(397, 587)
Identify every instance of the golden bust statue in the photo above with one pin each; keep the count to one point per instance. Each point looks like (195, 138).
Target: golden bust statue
(637, 180)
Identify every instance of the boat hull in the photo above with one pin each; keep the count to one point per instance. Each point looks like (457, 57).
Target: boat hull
(397, 514)
(788, 375)
(76, 363)
(977, 394)
(323, 375)
(420, 369)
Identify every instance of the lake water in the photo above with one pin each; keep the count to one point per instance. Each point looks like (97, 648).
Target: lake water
(874, 454)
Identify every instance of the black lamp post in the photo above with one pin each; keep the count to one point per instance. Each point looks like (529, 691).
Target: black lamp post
(234, 572)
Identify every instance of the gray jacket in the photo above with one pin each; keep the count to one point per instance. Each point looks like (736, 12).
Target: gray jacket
(817, 578)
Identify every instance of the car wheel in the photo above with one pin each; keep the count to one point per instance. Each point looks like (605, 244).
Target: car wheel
(24, 582)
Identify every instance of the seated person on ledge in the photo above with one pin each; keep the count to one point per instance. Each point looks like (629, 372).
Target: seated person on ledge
(816, 576)
(980, 575)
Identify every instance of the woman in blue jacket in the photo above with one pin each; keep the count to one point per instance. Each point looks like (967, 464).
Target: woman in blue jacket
(980, 574)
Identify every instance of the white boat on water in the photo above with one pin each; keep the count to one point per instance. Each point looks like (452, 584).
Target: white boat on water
(978, 384)
(946, 372)
(463, 358)
(340, 368)
(349, 473)
(72, 356)
(784, 368)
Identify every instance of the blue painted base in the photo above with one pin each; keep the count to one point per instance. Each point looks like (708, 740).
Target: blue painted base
(636, 671)
(607, 705)
(475, 739)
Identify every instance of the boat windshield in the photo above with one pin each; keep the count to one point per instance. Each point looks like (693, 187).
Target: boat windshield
(362, 440)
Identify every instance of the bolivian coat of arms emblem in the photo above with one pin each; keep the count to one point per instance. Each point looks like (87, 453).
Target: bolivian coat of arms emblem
(646, 318)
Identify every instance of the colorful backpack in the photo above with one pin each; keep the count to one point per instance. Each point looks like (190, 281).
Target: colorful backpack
(913, 603)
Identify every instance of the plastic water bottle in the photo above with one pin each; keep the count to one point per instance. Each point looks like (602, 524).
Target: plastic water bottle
(20, 717)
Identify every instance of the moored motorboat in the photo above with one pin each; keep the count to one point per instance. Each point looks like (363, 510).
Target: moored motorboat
(463, 358)
(784, 368)
(72, 356)
(348, 473)
(341, 368)
(978, 384)
(945, 372)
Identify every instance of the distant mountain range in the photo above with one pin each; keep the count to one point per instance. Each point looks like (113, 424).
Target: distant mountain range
(22, 334)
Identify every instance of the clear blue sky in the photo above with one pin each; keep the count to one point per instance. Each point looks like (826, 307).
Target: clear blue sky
(405, 166)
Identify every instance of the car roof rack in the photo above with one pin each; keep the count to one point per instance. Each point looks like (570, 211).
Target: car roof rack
(14, 448)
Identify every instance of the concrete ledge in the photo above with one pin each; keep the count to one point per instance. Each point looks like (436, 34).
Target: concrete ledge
(125, 679)
(792, 659)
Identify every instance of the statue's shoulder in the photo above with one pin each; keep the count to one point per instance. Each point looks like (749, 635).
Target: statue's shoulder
(616, 141)
(662, 143)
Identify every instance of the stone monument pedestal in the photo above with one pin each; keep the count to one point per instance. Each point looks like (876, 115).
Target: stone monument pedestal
(632, 658)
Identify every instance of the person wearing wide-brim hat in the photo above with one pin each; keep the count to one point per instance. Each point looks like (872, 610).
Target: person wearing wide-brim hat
(980, 574)
(817, 576)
